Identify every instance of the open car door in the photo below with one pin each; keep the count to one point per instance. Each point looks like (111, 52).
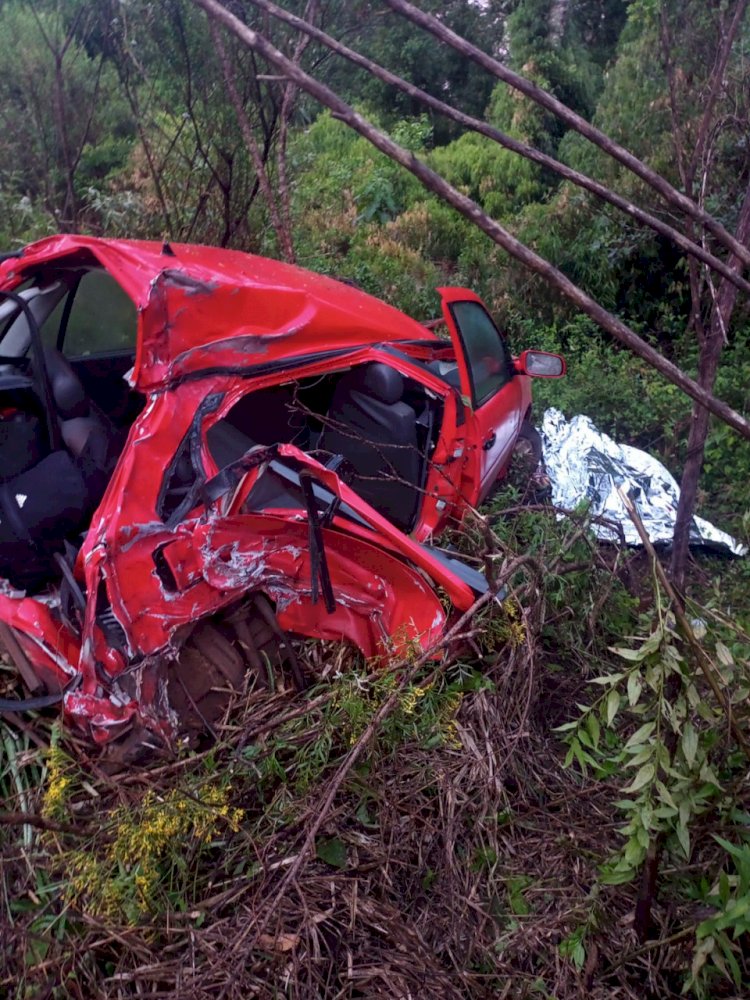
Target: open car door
(490, 385)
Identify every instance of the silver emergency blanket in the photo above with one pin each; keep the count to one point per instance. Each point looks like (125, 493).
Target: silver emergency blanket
(585, 465)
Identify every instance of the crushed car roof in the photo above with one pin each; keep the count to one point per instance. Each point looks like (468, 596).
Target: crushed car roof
(203, 307)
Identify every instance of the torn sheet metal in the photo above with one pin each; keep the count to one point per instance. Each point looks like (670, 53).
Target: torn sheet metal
(584, 464)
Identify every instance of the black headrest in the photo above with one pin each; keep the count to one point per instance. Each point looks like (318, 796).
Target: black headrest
(69, 395)
(380, 381)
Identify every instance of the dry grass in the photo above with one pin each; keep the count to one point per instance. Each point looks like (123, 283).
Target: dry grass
(457, 867)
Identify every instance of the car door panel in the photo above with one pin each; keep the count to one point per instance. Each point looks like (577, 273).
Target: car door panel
(489, 384)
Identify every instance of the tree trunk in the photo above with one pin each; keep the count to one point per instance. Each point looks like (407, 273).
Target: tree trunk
(721, 316)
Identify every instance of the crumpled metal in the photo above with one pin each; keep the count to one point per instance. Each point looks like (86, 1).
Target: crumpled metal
(585, 465)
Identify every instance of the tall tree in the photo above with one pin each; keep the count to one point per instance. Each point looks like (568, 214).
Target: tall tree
(62, 125)
(700, 125)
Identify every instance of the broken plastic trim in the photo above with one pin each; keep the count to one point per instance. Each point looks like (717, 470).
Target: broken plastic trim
(468, 574)
(255, 371)
(229, 477)
(209, 405)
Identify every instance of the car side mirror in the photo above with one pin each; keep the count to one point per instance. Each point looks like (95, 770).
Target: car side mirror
(540, 364)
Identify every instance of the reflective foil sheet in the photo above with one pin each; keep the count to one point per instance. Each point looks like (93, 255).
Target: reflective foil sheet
(585, 465)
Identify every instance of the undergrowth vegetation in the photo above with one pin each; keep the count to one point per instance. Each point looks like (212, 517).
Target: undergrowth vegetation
(452, 853)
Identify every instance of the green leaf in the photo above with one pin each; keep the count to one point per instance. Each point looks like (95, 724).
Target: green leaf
(653, 642)
(729, 955)
(613, 704)
(689, 743)
(364, 817)
(665, 795)
(594, 729)
(618, 875)
(724, 888)
(685, 809)
(578, 955)
(584, 737)
(634, 655)
(700, 955)
(647, 814)
(516, 899)
(583, 759)
(724, 655)
(635, 686)
(707, 775)
(570, 755)
(643, 777)
(733, 849)
(683, 836)
(665, 812)
(641, 734)
(634, 853)
(332, 851)
(644, 753)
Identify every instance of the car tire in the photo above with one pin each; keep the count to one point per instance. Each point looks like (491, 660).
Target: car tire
(222, 658)
(529, 443)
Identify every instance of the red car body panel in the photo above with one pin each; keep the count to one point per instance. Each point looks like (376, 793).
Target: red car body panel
(218, 324)
(495, 423)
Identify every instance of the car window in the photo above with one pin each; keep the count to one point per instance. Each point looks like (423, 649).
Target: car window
(102, 318)
(487, 356)
(43, 301)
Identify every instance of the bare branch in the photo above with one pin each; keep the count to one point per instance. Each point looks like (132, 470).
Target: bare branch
(717, 81)
(508, 142)
(251, 144)
(574, 121)
(472, 211)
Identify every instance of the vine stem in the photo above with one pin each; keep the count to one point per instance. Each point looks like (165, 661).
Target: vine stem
(702, 658)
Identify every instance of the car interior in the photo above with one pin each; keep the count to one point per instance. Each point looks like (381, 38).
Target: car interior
(373, 425)
(63, 423)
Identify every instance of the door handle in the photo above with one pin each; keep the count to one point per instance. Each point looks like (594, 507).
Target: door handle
(488, 442)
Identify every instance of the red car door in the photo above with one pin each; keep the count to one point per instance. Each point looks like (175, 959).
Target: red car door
(490, 385)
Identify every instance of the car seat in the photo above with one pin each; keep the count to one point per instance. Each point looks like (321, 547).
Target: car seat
(86, 432)
(54, 498)
(376, 433)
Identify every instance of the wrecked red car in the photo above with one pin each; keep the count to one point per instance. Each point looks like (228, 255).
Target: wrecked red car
(203, 451)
